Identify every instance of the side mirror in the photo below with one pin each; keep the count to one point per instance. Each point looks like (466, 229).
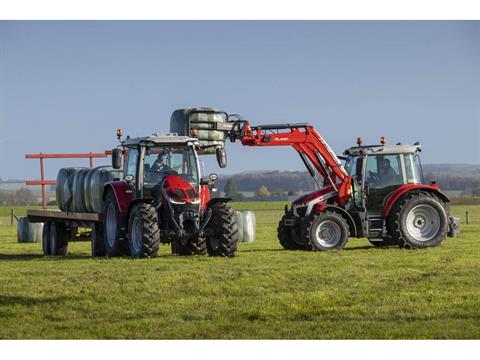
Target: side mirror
(221, 156)
(117, 158)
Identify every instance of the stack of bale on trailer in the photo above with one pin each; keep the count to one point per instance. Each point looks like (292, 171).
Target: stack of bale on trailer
(81, 189)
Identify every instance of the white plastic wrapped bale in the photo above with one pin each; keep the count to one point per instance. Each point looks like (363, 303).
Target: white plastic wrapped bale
(28, 232)
(64, 189)
(246, 226)
(239, 216)
(249, 226)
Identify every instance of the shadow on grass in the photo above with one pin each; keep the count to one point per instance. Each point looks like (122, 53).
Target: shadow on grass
(16, 257)
(6, 300)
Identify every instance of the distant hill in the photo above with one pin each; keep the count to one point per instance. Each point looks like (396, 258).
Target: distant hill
(456, 177)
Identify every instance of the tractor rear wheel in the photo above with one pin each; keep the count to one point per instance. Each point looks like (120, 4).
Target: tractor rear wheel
(143, 231)
(98, 240)
(286, 234)
(326, 231)
(113, 227)
(193, 246)
(223, 231)
(58, 239)
(418, 220)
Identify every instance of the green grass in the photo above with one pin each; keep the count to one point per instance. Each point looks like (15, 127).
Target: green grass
(264, 292)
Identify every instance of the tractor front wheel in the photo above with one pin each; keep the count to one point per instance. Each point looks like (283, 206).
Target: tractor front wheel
(326, 231)
(223, 232)
(418, 220)
(286, 234)
(143, 231)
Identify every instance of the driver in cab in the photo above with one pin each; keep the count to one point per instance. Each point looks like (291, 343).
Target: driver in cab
(161, 164)
(386, 174)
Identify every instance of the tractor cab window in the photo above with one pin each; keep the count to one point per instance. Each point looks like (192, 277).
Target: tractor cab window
(132, 160)
(383, 174)
(354, 167)
(413, 169)
(162, 161)
(383, 171)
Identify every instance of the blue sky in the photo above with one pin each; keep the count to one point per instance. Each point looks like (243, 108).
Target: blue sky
(66, 86)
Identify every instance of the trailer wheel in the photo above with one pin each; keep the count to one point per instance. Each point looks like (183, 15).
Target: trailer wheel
(326, 231)
(418, 220)
(192, 246)
(223, 232)
(143, 231)
(114, 230)
(98, 240)
(58, 239)
(46, 238)
(286, 234)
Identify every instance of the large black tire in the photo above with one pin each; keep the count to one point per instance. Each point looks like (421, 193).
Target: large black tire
(98, 240)
(143, 231)
(418, 220)
(223, 235)
(286, 234)
(193, 246)
(326, 231)
(58, 239)
(113, 227)
(46, 238)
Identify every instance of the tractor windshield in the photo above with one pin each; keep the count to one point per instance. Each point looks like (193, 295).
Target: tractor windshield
(175, 160)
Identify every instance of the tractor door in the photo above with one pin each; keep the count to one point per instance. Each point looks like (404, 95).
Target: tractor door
(383, 174)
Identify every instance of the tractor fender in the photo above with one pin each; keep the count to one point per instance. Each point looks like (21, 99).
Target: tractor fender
(132, 204)
(351, 223)
(214, 201)
(121, 191)
(404, 189)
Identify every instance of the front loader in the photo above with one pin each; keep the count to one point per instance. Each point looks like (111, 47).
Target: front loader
(379, 194)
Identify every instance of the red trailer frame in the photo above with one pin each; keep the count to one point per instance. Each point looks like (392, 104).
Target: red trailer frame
(43, 182)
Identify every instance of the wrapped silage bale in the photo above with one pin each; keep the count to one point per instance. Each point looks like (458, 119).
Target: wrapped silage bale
(64, 188)
(94, 184)
(28, 232)
(209, 140)
(78, 193)
(239, 215)
(249, 226)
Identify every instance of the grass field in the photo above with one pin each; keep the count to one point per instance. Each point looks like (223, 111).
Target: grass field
(264, 292)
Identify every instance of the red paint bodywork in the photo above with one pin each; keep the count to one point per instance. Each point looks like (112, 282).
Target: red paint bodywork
(180, 189)
(392, 199)
(313, 195)
(307, 141)
(122, 193)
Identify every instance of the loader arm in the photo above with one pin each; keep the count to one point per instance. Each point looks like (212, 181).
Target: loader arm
(308, 143)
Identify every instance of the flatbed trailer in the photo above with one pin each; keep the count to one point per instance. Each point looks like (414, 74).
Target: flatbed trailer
(61, 227)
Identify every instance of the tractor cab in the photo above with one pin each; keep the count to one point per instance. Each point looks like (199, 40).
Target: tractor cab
(162, 163)
(378, 170)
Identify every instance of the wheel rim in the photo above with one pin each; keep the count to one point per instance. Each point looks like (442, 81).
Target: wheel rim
(328, 233)
(423, 222)
(136, 236)
(111, 225)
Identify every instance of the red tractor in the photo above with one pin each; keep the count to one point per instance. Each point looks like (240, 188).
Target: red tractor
(162, 198)
(379, 194)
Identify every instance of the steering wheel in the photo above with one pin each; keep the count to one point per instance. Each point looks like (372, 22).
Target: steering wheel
(372, 177)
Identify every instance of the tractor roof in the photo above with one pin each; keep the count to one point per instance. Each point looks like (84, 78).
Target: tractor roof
(382, 149)
(160, 139)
